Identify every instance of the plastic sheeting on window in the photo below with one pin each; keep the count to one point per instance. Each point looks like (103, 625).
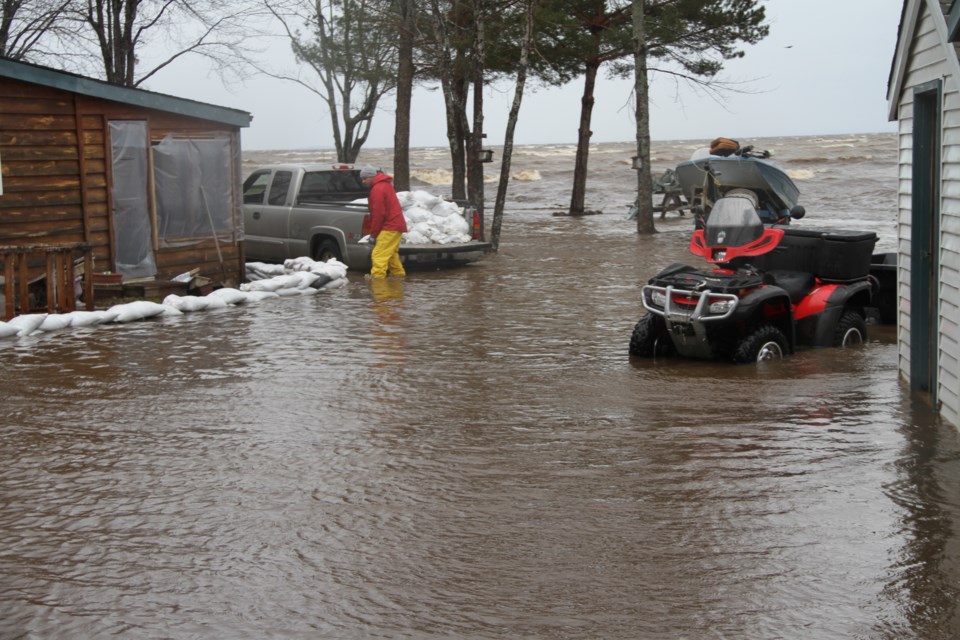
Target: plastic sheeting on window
(193, 179)
(133, 245)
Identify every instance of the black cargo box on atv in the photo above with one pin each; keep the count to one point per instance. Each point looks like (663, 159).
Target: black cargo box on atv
(833, 255)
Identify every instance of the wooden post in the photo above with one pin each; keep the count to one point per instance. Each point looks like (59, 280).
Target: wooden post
(23, 282)
(88, 277)
(9, 263)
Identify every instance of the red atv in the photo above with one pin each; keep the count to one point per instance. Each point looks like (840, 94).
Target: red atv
(772, 288)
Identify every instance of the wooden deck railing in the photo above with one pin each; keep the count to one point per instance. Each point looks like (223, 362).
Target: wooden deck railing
(58, 262)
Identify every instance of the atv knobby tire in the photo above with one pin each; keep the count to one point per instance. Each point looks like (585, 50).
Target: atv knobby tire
(650, 338)
(766, 342)
(851, 330)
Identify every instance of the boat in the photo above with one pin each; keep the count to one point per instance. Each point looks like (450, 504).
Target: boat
(714, 175)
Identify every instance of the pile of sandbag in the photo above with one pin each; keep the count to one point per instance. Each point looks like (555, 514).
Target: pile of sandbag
(30, 323)
(295, 277)
(432, 220)
(299, 276)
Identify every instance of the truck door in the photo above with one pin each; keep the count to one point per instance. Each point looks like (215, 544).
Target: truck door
(266, 213)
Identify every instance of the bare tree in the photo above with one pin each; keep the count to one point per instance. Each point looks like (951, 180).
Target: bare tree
(599, 23)
(447, 26)
(26, 24)
(644, 178)
(123, 34)
(352, 53)
(405, 76)
(499, 204)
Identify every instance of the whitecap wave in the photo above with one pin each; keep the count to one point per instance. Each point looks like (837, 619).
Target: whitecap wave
(527, 175)
(801, 174)
(432, 176)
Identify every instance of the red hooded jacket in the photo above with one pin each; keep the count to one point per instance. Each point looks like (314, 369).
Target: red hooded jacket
(385, 211)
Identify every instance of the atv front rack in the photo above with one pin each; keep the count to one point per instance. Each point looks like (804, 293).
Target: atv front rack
(683, 305)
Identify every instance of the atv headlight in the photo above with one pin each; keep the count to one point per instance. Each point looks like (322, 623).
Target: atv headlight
(658, 298)
(721, 307)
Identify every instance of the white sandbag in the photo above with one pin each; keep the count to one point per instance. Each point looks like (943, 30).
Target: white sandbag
(187, 304)
(272, 284)
(27, 323)
(257, 296)
(332, 268)
(406, 199)
(426, 200)
(444, 209)
(55, 322)
(302, 263)
(412, 237)
(414, 215)
(173, 300)
(454, 225)
(6, 330)
(229, 295)
(138, 310)
(307, 278)
(260, 285)
(169, 311)
(421, 227)
(213, 302)
(265, 268)
(89, 318)
(286, 293)
(335, 284)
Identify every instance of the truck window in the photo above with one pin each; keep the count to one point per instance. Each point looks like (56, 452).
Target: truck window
(255, 186)
(349, 181)
(279, 188)
(316, 186)
(331, 185)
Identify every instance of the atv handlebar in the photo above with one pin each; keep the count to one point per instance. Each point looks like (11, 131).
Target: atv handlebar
(748, 152)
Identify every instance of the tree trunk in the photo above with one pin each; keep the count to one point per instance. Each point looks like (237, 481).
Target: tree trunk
(475, 140)
(401, 134)
(511, 126)
(644, 178)
(583, 140)
(457, 135)
(453, 99)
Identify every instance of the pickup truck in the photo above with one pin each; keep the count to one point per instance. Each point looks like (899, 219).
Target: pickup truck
(294, 210)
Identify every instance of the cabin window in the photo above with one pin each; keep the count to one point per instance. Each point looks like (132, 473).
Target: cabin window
(193, 183)
(133, 235)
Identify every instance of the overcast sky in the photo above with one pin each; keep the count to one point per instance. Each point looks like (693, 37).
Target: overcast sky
(822, 70)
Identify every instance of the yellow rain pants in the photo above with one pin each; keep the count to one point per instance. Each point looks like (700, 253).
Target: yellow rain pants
(386, 255)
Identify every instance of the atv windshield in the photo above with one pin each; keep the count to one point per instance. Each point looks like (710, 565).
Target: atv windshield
(733, 222)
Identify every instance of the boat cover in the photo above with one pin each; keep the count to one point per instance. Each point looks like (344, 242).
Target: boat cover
(744, 172)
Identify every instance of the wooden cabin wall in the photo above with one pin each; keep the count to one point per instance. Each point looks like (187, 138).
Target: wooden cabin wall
(55, 158)
(54, 171)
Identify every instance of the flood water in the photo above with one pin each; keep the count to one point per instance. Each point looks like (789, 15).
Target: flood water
(468, 454)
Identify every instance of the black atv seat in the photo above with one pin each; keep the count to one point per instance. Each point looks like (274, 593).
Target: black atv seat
(797, 284)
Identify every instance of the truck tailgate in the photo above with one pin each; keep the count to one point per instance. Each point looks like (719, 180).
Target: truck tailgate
(462, 247)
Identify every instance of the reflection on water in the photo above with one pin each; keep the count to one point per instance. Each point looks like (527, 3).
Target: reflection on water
(468, 453)
(387, 335)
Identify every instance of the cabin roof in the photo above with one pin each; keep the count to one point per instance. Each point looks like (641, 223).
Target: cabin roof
(946, 17)
(82, 85)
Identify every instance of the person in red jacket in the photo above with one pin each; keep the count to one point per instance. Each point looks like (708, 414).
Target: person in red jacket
(387, 223)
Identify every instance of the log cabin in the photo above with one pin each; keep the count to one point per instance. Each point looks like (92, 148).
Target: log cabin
(119, 180)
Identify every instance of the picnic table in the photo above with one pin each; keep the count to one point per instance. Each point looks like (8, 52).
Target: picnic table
(667, 185)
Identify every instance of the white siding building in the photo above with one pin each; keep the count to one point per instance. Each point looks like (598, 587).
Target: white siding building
(924, 97)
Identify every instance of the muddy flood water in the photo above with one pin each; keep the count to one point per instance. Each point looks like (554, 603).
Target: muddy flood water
(468, 454)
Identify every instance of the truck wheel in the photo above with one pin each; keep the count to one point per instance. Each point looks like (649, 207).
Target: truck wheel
(766, 342)
(327, 249)
(851, 330)
(650, 338)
